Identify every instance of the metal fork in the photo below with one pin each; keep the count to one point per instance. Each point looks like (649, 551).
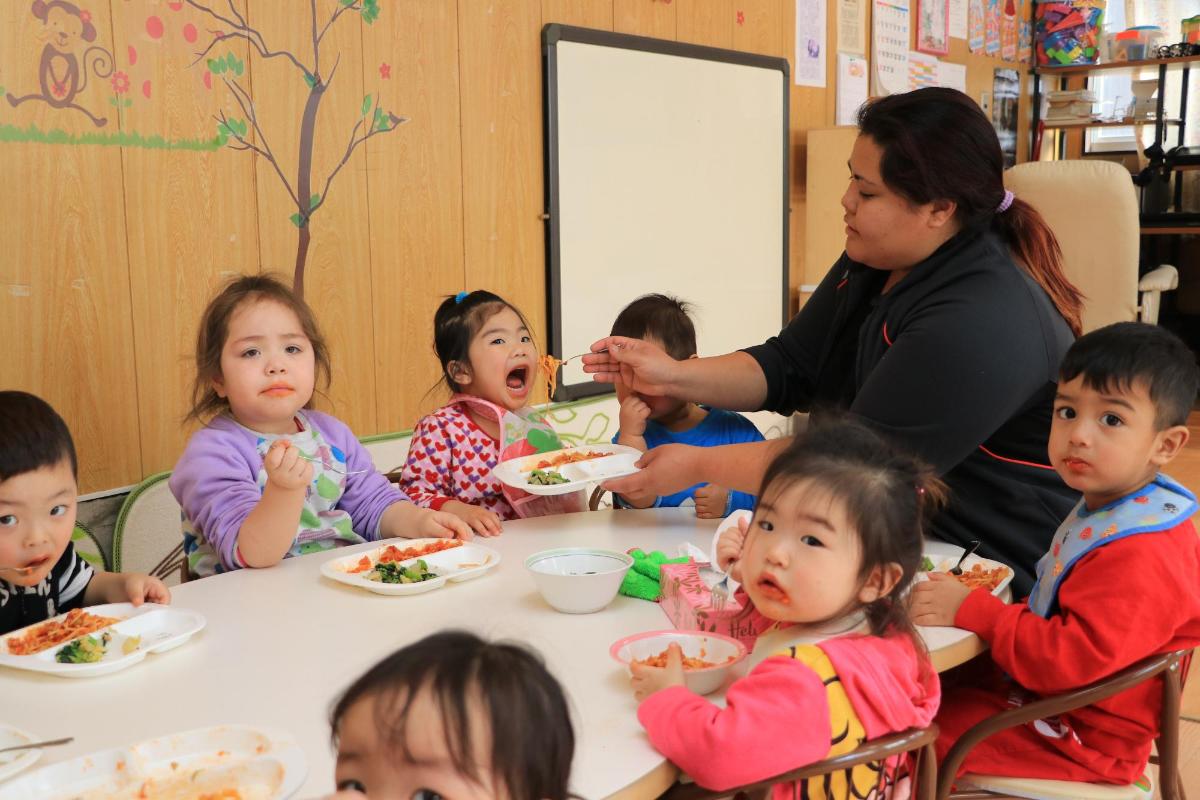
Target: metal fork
(334, 467)
(38, 745)
(720, 593)
(958, 567)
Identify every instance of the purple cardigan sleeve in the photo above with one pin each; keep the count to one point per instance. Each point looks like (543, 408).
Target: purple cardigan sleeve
(368, 494)
(216, 484)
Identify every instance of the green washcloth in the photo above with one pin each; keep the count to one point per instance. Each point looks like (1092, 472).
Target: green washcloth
(643, 578)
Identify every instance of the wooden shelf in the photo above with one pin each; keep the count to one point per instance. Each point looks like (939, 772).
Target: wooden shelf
(1162, 231)
(1083, 69)
(1126, 123)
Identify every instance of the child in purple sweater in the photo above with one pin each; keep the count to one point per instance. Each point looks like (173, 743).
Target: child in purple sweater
(267, 477)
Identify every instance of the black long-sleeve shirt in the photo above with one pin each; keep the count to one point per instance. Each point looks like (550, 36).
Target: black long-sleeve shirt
(958, 362)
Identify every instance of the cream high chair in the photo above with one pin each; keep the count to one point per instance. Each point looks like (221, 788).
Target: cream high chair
(1092, 208)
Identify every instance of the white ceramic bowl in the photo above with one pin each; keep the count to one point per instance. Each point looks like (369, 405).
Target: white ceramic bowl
(710, 646)
(578, 580)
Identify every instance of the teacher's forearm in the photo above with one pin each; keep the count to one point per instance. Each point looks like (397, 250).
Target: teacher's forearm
(739, 466)
(734, 382)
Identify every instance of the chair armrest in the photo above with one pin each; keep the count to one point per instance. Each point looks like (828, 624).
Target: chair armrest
(1049, 707)
(1162, 278)
(868, 752)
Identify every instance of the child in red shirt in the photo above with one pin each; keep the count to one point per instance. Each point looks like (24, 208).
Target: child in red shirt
(1119, 584)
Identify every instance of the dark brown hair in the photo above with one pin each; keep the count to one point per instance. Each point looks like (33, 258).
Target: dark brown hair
(889, 497)
(663, 317)
(214, 330)
(32, 436)
(938, 145)
(456, 322)
(530, 723)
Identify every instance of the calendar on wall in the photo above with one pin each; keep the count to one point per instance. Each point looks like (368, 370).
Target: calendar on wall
(889, 44)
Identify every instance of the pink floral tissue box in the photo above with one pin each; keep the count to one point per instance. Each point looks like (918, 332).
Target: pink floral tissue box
(687, 602)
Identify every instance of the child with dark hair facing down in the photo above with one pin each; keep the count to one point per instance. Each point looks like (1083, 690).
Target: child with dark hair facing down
(833, 544)
(454, 716)
(648, 421)
(1120, 582)
(41, 575)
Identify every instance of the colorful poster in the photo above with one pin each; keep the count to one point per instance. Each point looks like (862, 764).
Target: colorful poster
(1008, 32)
(958, 19)
(975, 15)
(992, 23)
(851, 87)
(889, 46)
(1006, 86)
(809, 66)
(933, 27)
(922, 70)
(1025, 42)
(851, 27)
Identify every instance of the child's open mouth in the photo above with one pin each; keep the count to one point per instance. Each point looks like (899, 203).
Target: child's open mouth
(769, 589)
(518, 380)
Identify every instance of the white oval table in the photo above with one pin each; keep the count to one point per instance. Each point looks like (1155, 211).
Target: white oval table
(282, 643)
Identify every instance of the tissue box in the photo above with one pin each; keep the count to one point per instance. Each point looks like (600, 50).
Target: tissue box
(687, 602)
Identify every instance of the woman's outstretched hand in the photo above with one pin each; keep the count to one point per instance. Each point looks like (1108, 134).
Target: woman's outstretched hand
(664, 470)
(641, 366)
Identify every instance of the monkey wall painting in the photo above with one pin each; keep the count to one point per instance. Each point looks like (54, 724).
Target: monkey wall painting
(62, 70)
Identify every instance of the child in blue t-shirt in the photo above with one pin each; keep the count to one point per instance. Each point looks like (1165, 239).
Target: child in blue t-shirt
(649, 421)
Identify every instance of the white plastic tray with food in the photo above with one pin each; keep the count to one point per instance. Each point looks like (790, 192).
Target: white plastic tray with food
(16, 761)
(568, 470)
(976, 571)
(412, 566)
(228, 761)
(86, 642)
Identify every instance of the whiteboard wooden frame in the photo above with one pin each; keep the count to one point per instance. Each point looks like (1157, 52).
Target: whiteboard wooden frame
(575, 384)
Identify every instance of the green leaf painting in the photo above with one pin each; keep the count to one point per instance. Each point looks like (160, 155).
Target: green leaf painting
(366, 106)
(297, 220)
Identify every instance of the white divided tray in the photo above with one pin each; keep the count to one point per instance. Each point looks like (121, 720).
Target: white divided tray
(161, 628)
(618, 460)
(13, 762)
(944, 564)
(468, 560)
(254, 763)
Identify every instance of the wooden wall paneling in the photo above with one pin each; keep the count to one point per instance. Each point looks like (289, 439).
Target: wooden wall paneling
(760, 29)
(501, 90)
(655, 18)
(338, 272)
(584, 13)
(64, 286)
(191, 212)
(414, 180)
(707, 22)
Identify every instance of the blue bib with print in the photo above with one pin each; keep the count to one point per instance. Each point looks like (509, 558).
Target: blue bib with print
(1158, 506)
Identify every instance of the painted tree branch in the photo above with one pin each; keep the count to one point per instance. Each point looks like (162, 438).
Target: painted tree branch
(395, 122)
(243, 31)
(247, 105)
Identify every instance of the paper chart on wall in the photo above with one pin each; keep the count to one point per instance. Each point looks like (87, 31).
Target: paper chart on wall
(851, 87)
(809, 64)
(933, 29)
(952, 76)
(851, 27)
(992, 27)
(889, 45)
(922, 70)
(975, 25)
(1008, 32)
(958, 19)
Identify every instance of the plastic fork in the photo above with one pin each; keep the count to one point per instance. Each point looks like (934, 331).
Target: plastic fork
(958, 567)
(334, 467)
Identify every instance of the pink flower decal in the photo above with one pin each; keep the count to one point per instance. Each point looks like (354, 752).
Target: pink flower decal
(385, 70)
(120, 82)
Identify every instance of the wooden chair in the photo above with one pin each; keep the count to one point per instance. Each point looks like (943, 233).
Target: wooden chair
(1169, 665)
(918, 741)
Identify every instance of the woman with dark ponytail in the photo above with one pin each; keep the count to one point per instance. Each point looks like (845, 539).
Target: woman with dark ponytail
(942, 325)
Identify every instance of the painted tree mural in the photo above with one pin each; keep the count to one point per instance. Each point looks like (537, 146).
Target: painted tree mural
(247, 131)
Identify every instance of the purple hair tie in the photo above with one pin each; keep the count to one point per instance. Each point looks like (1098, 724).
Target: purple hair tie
(1005, 203)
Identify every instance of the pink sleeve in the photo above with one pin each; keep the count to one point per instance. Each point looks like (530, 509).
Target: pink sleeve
(421, 478)
(775, 719)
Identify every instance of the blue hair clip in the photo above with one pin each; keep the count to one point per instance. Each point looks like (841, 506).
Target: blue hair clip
(458, 298)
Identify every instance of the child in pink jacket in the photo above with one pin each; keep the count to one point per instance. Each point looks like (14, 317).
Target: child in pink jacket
(833, 543)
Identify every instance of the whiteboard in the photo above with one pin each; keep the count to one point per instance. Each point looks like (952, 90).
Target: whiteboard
(666, 171)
